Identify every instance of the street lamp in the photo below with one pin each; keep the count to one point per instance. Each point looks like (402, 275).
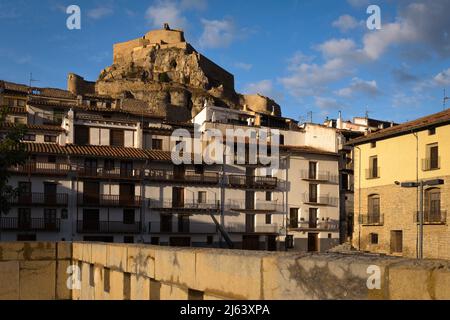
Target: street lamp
(421, 184)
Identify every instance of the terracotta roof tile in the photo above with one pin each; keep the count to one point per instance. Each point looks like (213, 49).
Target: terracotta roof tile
(14, 110)
(33, 127)
(306, 149)
(440, 118)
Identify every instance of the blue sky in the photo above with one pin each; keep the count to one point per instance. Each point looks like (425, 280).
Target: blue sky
(314, 56)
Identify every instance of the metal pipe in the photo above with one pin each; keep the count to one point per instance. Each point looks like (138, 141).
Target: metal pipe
(421, 221)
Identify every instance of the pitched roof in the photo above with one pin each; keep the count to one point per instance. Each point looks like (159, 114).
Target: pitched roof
(11, 86)
(306, 149)
(437, 119)
(98, 151)
(32, 127)
(14, 110)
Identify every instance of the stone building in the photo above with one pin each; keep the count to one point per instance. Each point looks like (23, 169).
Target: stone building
(386, 214)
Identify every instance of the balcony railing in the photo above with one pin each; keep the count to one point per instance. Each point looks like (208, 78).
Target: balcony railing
(371, 219)
(320, 200)
(319, 176)
(29, 199)
(432, 217)
(42, 168)
(16, 224)
(429, 164)
(114, 173)
(88, 226)
(256, 206)
(329, 225)
(251, 182)
(106, 200)
(373, 173)
(189, 206)
(187, 177)
(242, 228)
(185, 228)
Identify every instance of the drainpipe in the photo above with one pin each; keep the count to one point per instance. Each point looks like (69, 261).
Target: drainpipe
(417, 192)
(359, 198)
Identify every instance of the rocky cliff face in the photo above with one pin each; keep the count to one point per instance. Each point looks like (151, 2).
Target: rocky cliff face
(175, 81)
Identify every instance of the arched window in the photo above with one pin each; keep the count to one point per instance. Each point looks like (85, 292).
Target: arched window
(432, 212)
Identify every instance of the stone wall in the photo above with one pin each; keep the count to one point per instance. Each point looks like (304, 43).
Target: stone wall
(138, 272)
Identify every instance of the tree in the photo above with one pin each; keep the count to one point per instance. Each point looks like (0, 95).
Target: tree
(12, 152)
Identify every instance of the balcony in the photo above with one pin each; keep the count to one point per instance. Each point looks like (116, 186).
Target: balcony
(188, 207)
(114, 173)
(432, 217)
(106, 200)
(255, 207)
(108, 227)
(261, 229)
(16, 224)
(252, 182)
(373, 173)
(188, 177)
(42, 168)
(429, 164)
(40, 199)
(321, 200)
(321, 176)
(185, 228)
(325, 225)
(371, 219)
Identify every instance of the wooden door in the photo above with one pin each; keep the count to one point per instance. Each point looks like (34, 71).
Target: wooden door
(250, 242)
(313, 242)
(91, 193)
(178, 197)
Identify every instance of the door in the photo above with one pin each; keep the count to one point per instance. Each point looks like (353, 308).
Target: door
(50, 193)
(24, 219)
(271, 243)
(91, 220)
(25, 192)
(293, 218)
(313, 242)
(313, 193)
(126, 169)
(250, 200)
(178, 197)
(166, 223)
(179, 172)
(249, 223)
(312, 218)
(90, 167)
(127, 194)
(91, 193)
(50, 219)
(312, 170)
(183, 224)
(250, 242)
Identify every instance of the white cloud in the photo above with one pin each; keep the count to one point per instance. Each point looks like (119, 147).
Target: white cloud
(166, 12)
(243, 66)
(265, 88)
(218, 33)
(327, 104)
(345, 23)
(359, 86)
(443, 78)
(358, 3)
(337, 47)
(100, 12)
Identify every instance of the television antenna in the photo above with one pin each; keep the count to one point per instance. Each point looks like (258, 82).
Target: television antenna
(32, 80)
(444, 102)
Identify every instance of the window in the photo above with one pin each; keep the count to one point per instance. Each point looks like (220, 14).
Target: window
(373, 144)
(432, 213)
(199, 169)
(312, 170)
(313, 217)
(313, 192)
(82, 135)
(432, 131)
(51, 159)
(396, 241)
(268, 196)
(293, 218)
(128, 216)
(24, 218)
(202, 197)
(373, 168)
(344, 182)
(91, 275)
(50, 217)
(373, 238)
(117, 138)
(48, 138)
(29, 137)
(268, 219)
(209, 240)
(373, 209)
(432, 160)
(281, 140)
(156, 144)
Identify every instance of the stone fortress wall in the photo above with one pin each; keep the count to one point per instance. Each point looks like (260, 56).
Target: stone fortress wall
(38, 270)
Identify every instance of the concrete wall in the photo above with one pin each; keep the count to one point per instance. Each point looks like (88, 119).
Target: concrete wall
(117, 272)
